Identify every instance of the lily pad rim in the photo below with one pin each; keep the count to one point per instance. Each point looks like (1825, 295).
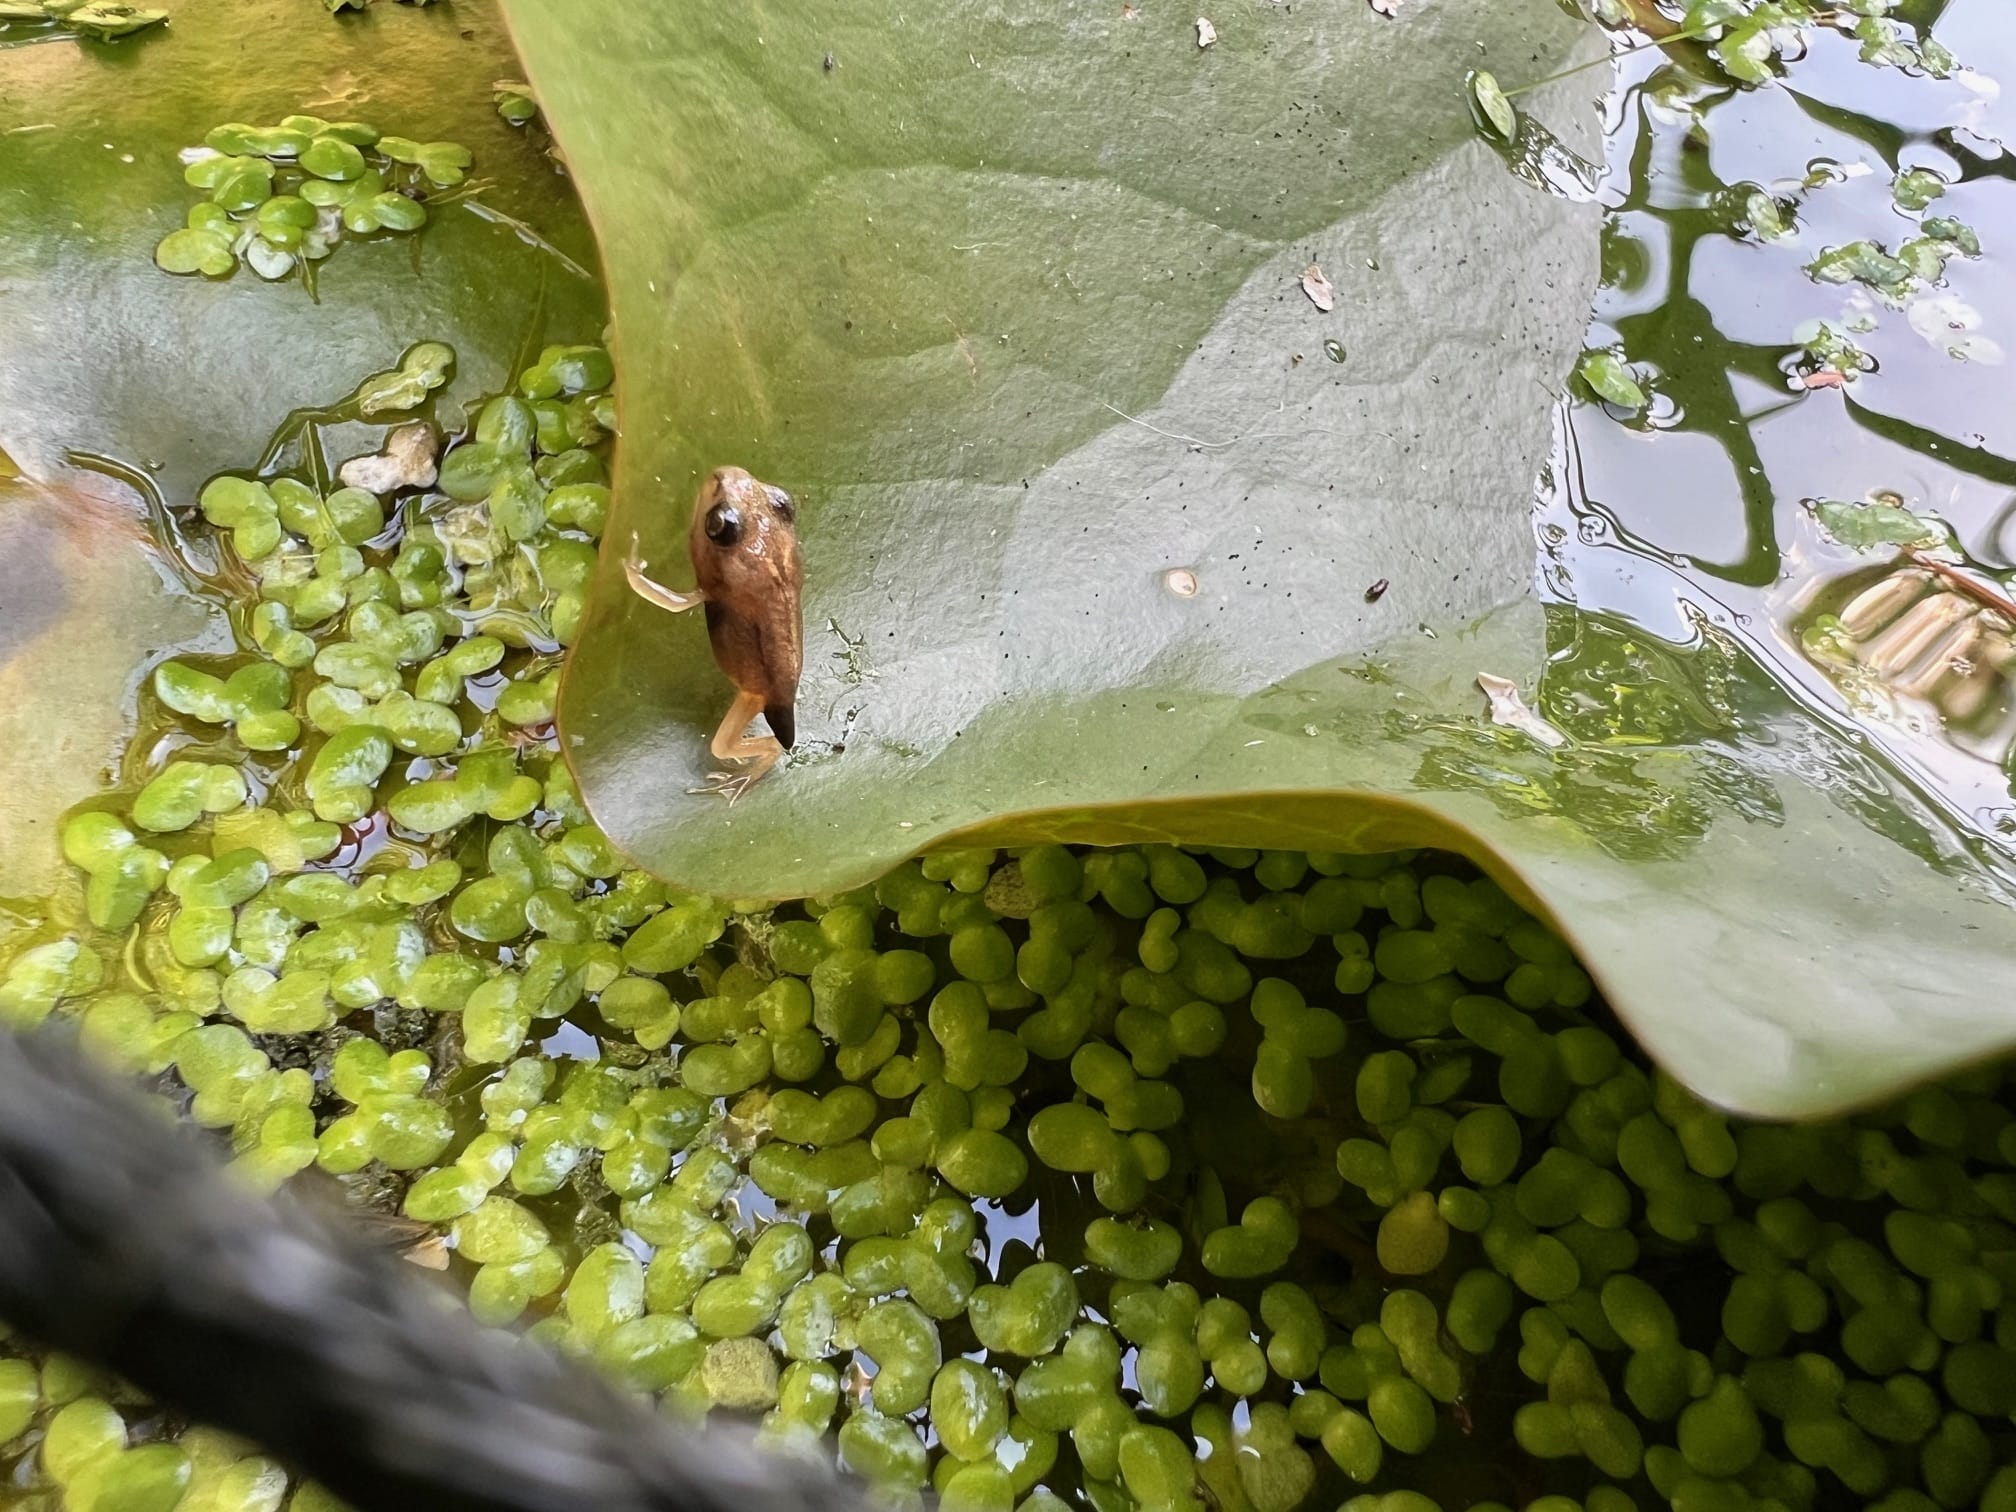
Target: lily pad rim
(1412, 823)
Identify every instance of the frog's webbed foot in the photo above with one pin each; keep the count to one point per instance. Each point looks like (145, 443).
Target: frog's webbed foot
(733, 742)
(728, 785)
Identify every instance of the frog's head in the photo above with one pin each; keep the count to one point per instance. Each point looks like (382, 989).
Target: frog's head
(744, 544)
(734, 510)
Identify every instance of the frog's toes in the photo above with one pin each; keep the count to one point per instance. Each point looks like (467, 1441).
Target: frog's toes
(728, 785)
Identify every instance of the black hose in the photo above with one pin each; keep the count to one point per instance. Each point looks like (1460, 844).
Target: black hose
(122, 1242)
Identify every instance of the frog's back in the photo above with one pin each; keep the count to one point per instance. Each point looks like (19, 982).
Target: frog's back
(748, 563)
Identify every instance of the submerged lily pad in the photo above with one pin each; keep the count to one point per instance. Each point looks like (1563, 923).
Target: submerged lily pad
(108, 362)
(186, 374)
(85, 589)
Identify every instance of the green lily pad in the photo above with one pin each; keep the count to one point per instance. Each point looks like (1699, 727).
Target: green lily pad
(1097, 553)
(1033, 422)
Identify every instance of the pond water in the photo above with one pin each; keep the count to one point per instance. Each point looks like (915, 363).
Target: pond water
(1692, 518)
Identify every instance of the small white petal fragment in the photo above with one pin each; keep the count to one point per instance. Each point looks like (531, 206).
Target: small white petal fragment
(1206, 32)
(1317, 287)
(1509, 709)
(1386, 7)
(406, 462)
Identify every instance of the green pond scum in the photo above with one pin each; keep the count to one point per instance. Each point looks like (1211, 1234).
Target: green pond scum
(1145, 1177)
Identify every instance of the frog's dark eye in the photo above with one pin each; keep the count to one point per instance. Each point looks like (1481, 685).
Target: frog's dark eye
(723, 525)
(787, 511)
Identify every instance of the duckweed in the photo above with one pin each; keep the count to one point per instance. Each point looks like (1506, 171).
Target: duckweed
(281, 198)
(1151, 1177)
(99, 19)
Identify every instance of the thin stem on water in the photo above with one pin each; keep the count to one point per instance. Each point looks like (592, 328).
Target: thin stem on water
(1690, 34)
(1685, 34)
(1980, 592)
(162, 527)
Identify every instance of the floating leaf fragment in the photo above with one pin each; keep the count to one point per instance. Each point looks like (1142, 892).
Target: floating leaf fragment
(1746, 50)
(1829, 358)
(1495, 113)
(1947, 229)
(1915, 188)
(1862, 262)
(1868, 523)
(1317, 287)
(1509, 709)
(1610, 380)
(268, 261)
(1765, 215)
(445, 164)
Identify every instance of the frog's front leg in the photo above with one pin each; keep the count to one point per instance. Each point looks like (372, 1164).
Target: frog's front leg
(654, 592)
(733, 742)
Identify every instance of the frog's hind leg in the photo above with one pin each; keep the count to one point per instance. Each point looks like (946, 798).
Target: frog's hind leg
(733, 742)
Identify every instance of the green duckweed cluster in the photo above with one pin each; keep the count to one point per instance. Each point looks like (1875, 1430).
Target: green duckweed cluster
(281, 197)
(99, 19)
(1141, 1178)
(515, 101)
(337, 7)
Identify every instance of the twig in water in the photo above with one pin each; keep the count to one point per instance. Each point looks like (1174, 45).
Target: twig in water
(527, 235)
(1980, 592)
